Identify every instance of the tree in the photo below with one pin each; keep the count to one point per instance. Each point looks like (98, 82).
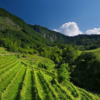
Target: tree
(63, 74)
(87, 71)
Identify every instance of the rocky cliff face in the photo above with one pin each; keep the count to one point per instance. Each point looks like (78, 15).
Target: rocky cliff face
(52, 38)
(45, 33)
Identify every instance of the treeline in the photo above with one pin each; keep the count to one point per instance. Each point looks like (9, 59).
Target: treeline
(17, 41)
(65, 55)
(85, 42)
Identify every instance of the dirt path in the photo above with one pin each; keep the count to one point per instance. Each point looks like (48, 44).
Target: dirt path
(9, 54)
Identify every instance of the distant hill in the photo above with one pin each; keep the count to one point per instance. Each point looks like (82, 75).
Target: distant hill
(16, 35)
(58, 38)
(52, 36)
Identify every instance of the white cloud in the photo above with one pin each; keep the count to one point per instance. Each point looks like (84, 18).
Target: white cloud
(93, 31)
(69, 29)
(56, 30)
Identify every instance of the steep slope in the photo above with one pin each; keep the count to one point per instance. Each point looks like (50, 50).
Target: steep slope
(14, 30)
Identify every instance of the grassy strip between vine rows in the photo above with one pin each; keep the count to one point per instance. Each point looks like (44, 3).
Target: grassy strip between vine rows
(4, 70)
(9, 76)
(10, 93)
(89, 95)
(62, 95)
(73, 89)
(26, 93)
(67, 92)
(51, 89)
(38, 96)
(8, 72)
(5, 61)
(47, 94)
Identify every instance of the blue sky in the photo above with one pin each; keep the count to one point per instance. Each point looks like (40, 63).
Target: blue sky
(70, 17)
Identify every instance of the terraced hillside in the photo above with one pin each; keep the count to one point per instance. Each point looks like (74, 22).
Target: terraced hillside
(20, 81)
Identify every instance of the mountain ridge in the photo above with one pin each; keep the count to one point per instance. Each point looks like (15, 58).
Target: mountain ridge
(38, 36)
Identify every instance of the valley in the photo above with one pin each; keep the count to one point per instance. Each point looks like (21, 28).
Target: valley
(40, 64)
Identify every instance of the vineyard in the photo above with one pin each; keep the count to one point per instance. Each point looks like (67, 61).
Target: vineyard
(19, 81)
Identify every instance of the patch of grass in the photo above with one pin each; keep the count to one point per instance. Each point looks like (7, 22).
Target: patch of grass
(48, 77)
(34, 60)
(3, 50)
(96, 51)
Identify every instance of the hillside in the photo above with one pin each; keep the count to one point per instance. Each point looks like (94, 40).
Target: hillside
(14, 31)
(55, 37)
(96, 51)
(86, 41)
(46, 64)
(29, 82)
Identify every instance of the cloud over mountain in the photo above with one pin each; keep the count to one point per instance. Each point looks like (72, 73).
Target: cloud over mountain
(93, 31)
(69, 29)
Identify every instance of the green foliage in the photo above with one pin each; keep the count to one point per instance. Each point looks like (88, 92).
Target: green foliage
(24, 56)
(83, 41)
(66, 55)
(18, 56)
(86, 72)
(15, 33)
(63, 74)
(26, 82)
(17, 36)
(43, 65)
(3, 50)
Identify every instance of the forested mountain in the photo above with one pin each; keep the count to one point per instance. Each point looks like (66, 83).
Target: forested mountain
(81, 40)
(14, 32)
(55, 37)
